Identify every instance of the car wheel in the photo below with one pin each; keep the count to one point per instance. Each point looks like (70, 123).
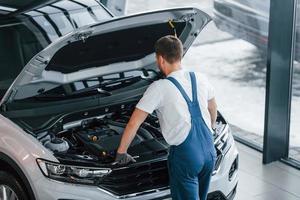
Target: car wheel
(10, 187)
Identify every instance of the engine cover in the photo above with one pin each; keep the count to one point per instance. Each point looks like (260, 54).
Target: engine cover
(103, 140)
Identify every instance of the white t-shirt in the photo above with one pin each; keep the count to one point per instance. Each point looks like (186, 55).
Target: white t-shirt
(170, 106)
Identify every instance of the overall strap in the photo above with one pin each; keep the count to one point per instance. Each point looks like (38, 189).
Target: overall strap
(193, 105)
(180, 88)
(182, 91)
(194, 86)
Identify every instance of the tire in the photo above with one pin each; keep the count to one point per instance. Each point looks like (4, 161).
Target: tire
(12, 187)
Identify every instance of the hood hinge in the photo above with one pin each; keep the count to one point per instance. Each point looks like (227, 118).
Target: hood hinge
(188, 17)
(12, 94)
(3, 107)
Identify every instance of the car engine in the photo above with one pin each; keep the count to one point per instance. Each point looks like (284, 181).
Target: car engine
(98, 138)
(93, 141)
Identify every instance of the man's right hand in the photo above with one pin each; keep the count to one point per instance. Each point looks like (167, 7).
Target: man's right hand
(124, 158)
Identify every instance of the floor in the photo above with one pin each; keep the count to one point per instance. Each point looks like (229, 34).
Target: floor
(257, 140)
(276, 181)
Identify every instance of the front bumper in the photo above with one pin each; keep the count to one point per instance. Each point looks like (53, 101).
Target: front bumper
(221, 186)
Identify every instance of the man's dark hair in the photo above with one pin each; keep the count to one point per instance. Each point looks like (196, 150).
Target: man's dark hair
(170, 48)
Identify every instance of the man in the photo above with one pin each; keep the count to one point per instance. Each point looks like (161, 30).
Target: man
(187, 111)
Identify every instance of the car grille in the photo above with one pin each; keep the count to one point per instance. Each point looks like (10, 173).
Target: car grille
(216, 196)
(137, 179)
(145, 177)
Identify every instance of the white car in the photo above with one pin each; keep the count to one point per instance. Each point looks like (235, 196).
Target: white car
(71, 74)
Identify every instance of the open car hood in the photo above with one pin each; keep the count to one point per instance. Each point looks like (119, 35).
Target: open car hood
(121, 44)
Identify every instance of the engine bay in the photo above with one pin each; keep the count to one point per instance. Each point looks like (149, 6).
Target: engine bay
(96, 139)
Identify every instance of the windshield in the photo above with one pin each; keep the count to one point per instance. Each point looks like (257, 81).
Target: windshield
(23, 37)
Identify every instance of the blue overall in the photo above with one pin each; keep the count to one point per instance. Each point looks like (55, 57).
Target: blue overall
(191, 163)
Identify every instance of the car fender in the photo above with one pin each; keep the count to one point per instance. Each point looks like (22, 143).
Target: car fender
(22, 149)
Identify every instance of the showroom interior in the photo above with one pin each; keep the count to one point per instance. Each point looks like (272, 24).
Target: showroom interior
(62, 117)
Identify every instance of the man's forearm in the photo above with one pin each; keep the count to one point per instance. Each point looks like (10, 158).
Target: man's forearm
(213, 116)
(137, 118)
(212, 108)
(128, 135)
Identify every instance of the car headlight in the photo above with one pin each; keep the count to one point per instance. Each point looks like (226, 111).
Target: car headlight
(224, 140)
(71, 174)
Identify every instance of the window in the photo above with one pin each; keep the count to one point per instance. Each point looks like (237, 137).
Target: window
(294, 151)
